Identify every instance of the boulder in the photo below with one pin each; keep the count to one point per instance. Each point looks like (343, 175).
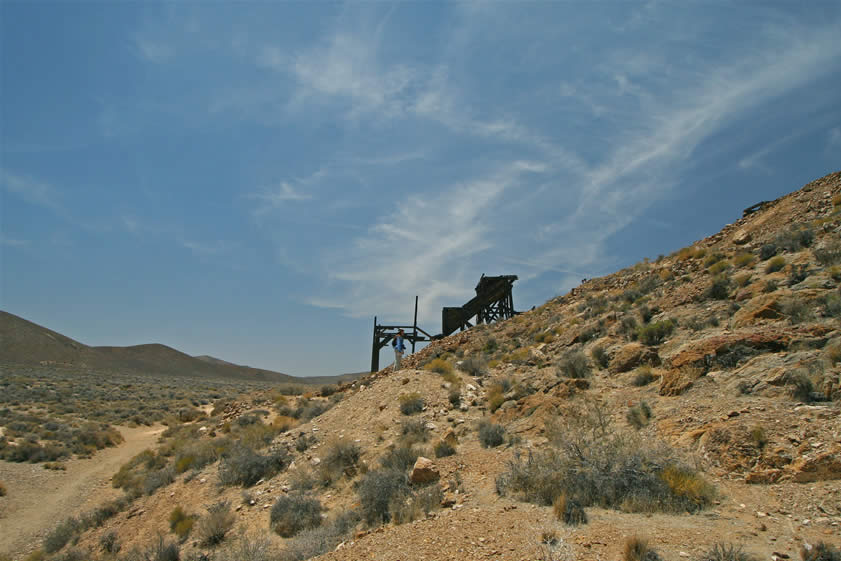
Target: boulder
(424, 471)
(632, 355)
(450, 437)
(742, 237)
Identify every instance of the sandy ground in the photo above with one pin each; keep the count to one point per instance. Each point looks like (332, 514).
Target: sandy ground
(38, 498)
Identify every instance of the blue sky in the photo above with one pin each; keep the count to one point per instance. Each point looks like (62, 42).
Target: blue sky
(257, 180)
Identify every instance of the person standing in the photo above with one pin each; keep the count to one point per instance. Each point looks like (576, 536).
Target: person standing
(399, 348)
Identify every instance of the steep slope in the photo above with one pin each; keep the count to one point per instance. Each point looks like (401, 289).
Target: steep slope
(720, 363)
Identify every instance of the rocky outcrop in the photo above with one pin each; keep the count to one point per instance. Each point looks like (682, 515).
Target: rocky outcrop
(631, 356)
(424, 471)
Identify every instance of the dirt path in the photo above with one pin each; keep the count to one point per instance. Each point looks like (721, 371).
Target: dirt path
(38, 499)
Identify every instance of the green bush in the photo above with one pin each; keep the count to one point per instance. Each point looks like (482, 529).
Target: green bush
(342, 458)
(293, 513)
(719, 267)
(655, 333)
(491, 435)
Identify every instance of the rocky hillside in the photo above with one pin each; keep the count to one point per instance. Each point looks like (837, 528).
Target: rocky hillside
(690, 403)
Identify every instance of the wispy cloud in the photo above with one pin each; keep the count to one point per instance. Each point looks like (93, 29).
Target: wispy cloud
(834, 140)
(272, 198)
(12, 242)
(152, 50)
(204, 249)
(30, 190)
(424, 245)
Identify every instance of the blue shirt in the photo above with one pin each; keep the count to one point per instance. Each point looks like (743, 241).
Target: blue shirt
(398, 344)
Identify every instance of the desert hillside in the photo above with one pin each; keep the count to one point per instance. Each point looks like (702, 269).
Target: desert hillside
(688, 407)
(24, 343)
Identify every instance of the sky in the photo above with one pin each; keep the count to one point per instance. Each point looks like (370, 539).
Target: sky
(257, 180)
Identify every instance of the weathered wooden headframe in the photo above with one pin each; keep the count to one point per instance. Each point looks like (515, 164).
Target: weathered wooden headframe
(493, 301)
(383, 334)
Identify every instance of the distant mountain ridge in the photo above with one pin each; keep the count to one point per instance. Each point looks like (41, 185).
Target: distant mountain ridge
(26, 343)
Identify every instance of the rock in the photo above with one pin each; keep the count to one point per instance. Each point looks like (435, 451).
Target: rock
(632, 355)
(763, 477)
(821, 467)
(742, 237)
(450, 437)
(765, 306)
(448, 500)
(675, 382)
(424, 471)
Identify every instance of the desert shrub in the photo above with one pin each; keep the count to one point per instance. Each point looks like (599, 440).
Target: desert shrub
(439, 365)
(490, 346)
(342, 458)
(639, 415)
(770, 286)
(310, 409)
(758, 437)
(454, 398)
(400, 458)
(830, 254)
(413, 431)
(743, 259)
(775, 264)
(742, 280)
(833, 352)
(574, 364)
(655, 333)
(835, 273)
(304, 441)
(181, 523)
(475, 366)
(831, 305)
(444, 449)
(767, 251)
(797, 310)
(642, 376)
(600, 356)
(379, 491)
(719, 288)
(568, 511)
(293, 513)
(162, 551)
(628, 326)
(595, 465)
(316, 541)
(795, 239)
(800, 385)
(73, 554)
(411, 403)
(719, 267)
(328, 389)
(157, 479)
(419, 503)
(726, 552)
(491, 434)
(821, 551)
(636, 549)
(797, 274)
(109, 543)
(214, 527)
(243, 466)
(65, 531)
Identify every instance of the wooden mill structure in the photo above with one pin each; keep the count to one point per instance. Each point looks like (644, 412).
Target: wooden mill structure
(493, 301)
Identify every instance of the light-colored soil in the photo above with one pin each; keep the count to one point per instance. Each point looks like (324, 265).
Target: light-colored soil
(38, 498)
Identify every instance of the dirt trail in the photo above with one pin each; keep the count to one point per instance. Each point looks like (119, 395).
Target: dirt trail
(38, 499)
